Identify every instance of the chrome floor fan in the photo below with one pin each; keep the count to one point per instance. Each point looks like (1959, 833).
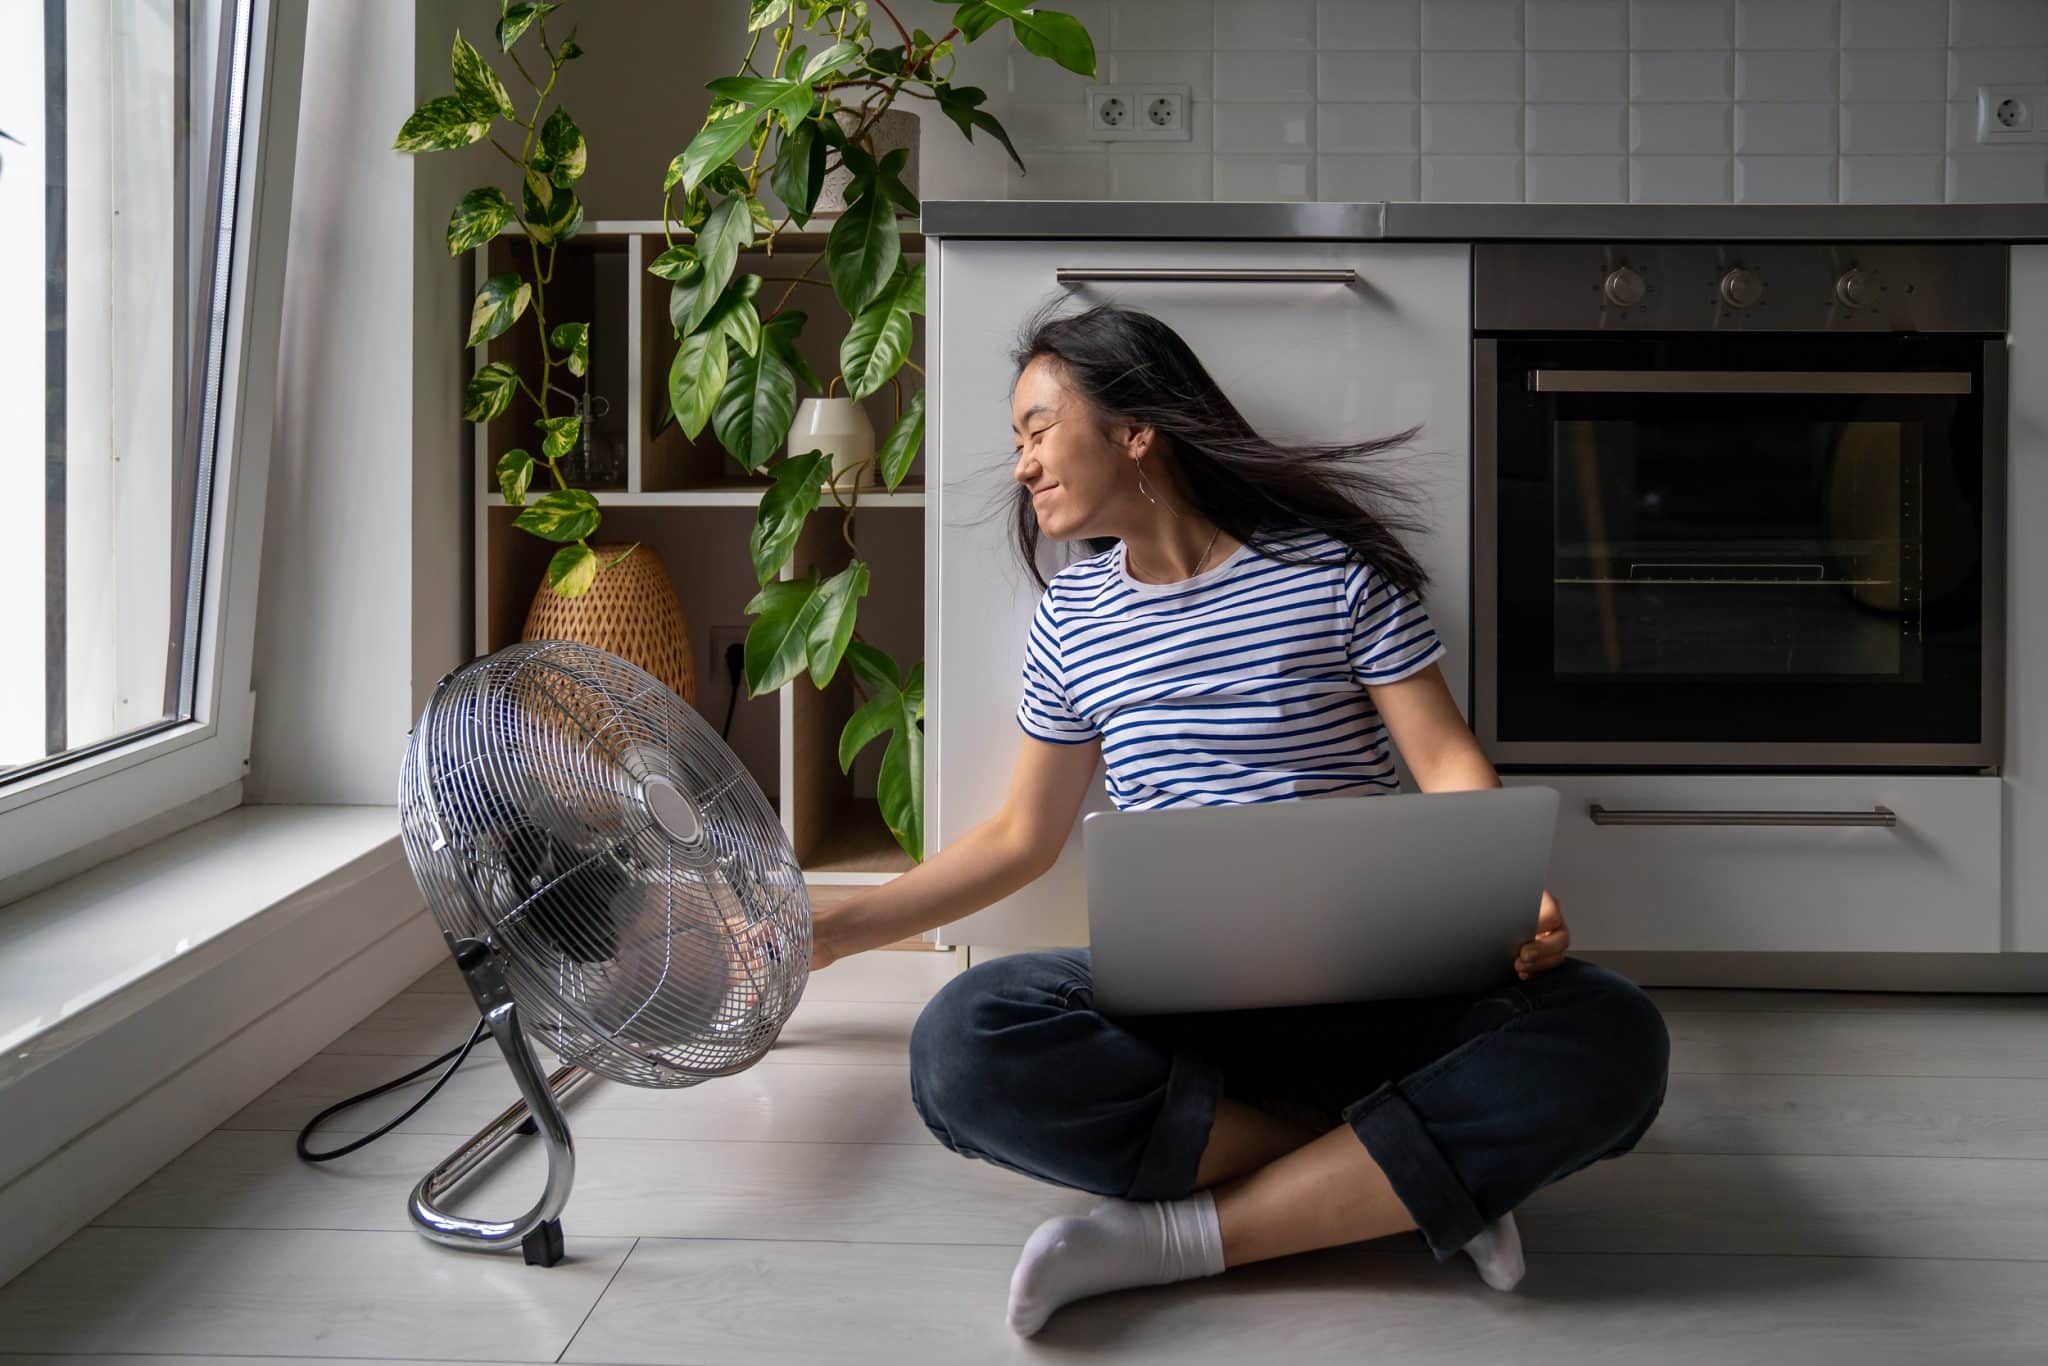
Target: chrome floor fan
(611, 882)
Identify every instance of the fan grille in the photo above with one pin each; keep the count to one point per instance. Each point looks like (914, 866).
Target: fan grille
(659, 937)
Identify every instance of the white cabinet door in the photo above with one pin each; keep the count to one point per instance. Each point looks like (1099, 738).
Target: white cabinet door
(1304, 361)
(1930, 883)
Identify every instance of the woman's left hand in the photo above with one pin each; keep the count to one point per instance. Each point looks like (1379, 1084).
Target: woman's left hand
(1546, 950)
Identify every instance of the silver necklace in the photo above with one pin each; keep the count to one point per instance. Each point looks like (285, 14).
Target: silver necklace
(1198, 563)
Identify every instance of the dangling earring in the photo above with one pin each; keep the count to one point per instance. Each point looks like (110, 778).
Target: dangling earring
(1148, 492)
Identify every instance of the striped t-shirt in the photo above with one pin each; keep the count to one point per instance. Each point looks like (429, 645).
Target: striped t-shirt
(1242, 684)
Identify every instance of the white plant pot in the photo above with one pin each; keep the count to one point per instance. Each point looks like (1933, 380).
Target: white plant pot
(840, 428)
(896, 128)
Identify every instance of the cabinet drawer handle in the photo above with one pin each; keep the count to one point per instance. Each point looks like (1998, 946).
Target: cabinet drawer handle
(1877, 815)
(1074, 275)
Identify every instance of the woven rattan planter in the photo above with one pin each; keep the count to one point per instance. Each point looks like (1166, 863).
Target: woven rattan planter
(631, 610)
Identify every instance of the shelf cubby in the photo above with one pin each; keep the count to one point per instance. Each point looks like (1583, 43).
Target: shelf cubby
(696, 506)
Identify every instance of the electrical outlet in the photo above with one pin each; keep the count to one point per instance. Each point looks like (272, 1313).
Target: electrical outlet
(1150, 113)
(2012, 113)
(722, 637)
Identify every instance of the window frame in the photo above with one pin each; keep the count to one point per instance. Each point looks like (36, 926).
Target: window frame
(81, 807)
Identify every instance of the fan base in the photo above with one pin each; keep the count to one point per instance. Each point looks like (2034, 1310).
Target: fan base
(543, 1246)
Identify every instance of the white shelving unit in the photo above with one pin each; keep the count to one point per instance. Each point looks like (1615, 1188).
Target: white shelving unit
(695, 505)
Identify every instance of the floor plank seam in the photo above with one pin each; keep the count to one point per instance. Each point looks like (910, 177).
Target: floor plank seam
(1390, 1246)
(599, 1300)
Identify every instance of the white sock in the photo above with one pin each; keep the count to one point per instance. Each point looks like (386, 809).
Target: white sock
(1116, 1245)
(1497, 1251)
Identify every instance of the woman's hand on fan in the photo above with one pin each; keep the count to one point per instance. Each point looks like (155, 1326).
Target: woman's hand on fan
(1546, 950)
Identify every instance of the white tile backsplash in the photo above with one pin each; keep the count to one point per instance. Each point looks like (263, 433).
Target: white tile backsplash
(1264, 127)
(1472, 24)
(1998, 176)
(1890, 129)
(1265, 76)
(1894, 23)
(1576, 75)
(1997, 23)
(1484, 180)
(1891, 180)
(1472, 128)
(1575, 179)
(1163, 25)
(1788, 23)
(1344, 24)
(1660, 101)
(1576, 25)
(1784, 180)
(1572, 129)
(1370, 128)
(1367, 178)
(1264, 177)
(1679, 180)
(1681, 76)
(1254, 25)
(1678, 128)
(1195, 70)
(1475, 76)
(1662, 24)
(1897, 74)
(1785, 129)
(1970, 67)
(1368, 76)
(1786, 76)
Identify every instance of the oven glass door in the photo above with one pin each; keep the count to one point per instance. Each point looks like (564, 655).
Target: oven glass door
(1746, 539)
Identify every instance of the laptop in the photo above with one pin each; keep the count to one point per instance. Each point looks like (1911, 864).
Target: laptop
(1316, 900)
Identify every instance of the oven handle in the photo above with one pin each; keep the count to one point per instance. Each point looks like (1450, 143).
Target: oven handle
(1071, 275)
(1750, 381)
(1877, 815)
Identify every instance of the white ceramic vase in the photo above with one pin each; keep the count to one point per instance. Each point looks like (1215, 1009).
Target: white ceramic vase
(840, 428)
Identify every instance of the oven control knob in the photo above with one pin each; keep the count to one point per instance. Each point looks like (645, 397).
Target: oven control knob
(1742, 288)
(1856, 289)
(1623, 287)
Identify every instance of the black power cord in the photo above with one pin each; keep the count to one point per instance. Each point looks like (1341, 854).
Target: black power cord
(459, 1054)
(735, 666)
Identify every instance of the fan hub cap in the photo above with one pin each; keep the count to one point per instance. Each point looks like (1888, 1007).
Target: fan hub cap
(672, 811)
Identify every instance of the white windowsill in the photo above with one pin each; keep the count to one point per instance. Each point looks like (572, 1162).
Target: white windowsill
(95, 948)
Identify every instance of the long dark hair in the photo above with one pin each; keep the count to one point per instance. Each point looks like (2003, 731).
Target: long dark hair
(1133, 368)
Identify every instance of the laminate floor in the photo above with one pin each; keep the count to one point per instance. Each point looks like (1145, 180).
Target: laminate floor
(1835, 1177)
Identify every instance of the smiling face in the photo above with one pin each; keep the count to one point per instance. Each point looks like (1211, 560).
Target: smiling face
(1078, 469)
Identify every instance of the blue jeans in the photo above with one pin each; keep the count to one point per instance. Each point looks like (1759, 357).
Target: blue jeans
(1469, 1104)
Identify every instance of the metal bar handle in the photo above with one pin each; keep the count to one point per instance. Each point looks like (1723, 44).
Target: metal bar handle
(1075, 275)
(1750, 381)
(1877, 815)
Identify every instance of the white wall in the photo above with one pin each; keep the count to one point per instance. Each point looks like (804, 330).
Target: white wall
(1590, 100)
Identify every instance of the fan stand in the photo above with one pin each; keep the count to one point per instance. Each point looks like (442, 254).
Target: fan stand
(538, 1232)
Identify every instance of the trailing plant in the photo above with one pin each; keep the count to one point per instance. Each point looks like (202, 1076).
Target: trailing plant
(551, 159)
(804, 104)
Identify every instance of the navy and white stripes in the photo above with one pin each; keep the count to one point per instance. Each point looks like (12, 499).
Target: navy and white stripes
(1242, 684)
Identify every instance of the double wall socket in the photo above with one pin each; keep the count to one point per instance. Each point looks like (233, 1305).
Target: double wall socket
(2012, 113)
(1137, 113)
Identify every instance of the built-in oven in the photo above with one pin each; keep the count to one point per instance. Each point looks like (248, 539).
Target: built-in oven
(1739, 505)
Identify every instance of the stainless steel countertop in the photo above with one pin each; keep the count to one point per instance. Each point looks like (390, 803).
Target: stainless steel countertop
(1395, 222)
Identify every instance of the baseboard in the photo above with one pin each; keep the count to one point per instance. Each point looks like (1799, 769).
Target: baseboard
(1935, 972)
(304, 985)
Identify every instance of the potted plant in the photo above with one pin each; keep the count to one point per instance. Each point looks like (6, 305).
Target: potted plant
(785, 121)
(814, 82)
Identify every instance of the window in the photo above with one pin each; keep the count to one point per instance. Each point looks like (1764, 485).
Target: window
(145, 174)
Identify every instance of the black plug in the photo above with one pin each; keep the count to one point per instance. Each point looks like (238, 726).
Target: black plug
(735, 662)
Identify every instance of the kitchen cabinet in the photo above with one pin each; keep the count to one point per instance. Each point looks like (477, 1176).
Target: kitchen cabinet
(1927, 883)
(1305, 359)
